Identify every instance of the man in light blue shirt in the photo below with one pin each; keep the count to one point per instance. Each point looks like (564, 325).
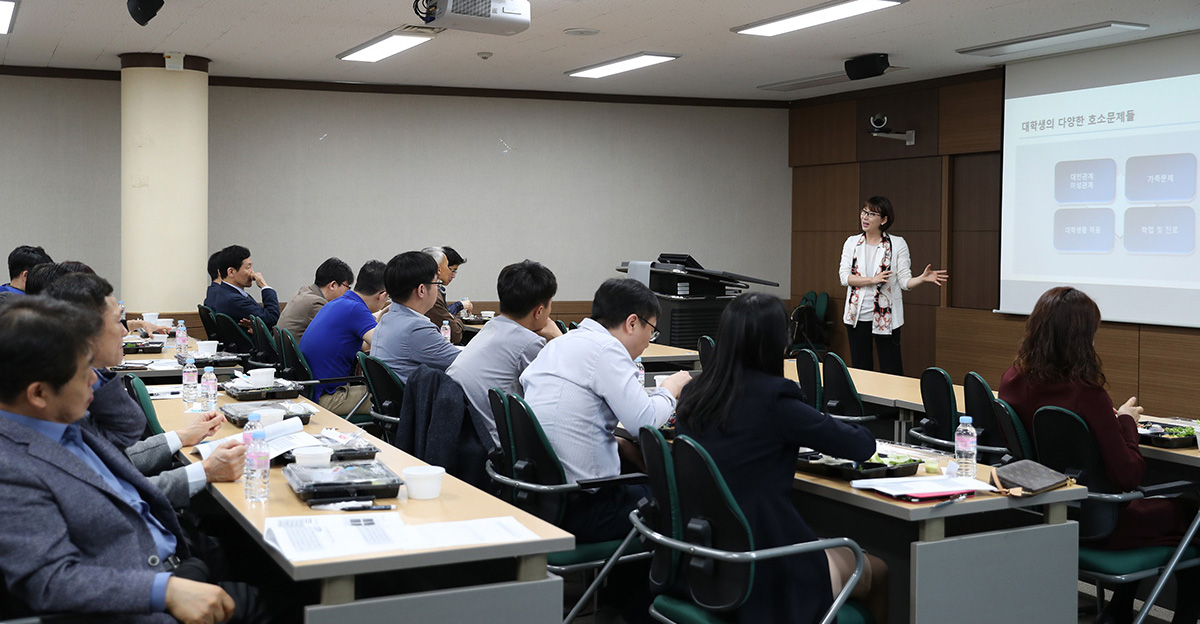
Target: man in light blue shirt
(582, 385)
(405, 338)
(20, 261)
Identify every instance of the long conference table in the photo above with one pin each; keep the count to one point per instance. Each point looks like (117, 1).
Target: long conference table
(530, 595)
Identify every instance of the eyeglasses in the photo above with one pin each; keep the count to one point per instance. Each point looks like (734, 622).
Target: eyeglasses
(868, 213)
(654, 333)
(436, 283)
(454, 270)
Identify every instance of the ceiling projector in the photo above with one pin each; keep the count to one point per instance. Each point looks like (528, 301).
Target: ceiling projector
(491, 17)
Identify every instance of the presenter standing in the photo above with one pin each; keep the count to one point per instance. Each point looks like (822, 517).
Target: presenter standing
(876, 269)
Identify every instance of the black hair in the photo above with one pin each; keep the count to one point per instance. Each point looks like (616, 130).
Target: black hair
(453, 258)
(42, 339)
(43, 275)
(406, 271)
(883, 206)
(617, 298)
(752, 335)
(214, 269)
(85, 289)
(523, 286)
(24, 258)
(370, 278)
(75, 266)
(334, 270)
(232, 257)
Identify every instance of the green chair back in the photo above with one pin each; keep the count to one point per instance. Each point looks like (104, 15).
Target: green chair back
(707, 347)
(562, 327)
(1016, 438)
(138, 387)
(662, 513)
(232, 336)
(534, 461)
(808, 371)
(941, 408)
(208, 319)
(839, 387)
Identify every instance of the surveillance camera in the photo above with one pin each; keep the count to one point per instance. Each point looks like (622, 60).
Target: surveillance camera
(484, 55)
(878, 121)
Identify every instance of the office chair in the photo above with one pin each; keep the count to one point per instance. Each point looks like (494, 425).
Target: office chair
(572, 325)
(233, 338)
(296, 369)
(265, 355)
(562, 327)
(387, 394)
(208, 319)
(706, 347)
(1016, 439)
(936, 429)
(840, 396)
(808, 371)
(137, 389)
(1065, 443)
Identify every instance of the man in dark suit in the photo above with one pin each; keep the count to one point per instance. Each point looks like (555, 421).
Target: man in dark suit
(83, 531)
(238, 274)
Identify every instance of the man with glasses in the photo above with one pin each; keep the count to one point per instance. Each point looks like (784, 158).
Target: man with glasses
(448, 262)
(405, 338)
(582, 385)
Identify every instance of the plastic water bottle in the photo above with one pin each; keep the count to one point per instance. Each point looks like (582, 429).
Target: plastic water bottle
(121, 304)
(181, 340)
(462, 312)
(258, 468)
(191, 388)
(446, 330)
(964, 447)
(641, 371)
(208, 389)
(253, 423)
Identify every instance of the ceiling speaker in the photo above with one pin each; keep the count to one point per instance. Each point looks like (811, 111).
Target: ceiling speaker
(142, 11)
(866, 66)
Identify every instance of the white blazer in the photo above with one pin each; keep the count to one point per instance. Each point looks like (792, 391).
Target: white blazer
(901, 273)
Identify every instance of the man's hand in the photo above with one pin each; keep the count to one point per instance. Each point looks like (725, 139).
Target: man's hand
(197, 603)
(467, 305)
(247, 324)
(550, 330)
(226, 462)
(203, 426)
(1131, 408)
(675, 383)
(258, 279)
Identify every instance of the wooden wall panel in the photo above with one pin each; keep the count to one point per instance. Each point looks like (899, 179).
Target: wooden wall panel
(925, 248)
(971, 117)
(822, 135)
(974, 270)
(910, 110)
(1168, 369)
(915, 187)
(1117, 346)
(825, 198)
(815, 257)
(975, 192)
(566, 311)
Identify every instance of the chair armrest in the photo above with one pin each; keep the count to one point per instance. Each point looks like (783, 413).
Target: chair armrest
(331, 380)
(942, 445)
(526, 486)
(855, 419)
(1173, 487)
(630, 478)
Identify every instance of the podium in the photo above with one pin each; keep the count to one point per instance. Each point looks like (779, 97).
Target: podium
(692, 297)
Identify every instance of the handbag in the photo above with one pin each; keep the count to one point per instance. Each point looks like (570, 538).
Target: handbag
(1027, 478)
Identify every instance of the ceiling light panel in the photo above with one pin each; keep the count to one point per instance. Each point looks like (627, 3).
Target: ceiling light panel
(623, 64)
(8, 10)
(814, 16)
(1058, 37)
(382, 47)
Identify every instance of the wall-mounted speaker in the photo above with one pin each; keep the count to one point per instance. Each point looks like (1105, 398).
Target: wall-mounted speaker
(142, 11)
(866, 66)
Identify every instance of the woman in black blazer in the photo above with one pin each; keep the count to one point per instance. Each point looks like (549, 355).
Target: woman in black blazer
(752, 420)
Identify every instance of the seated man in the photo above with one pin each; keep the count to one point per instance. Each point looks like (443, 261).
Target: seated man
(405, 338)
(334, 279)
(508, 343)
(341, 329)
(446, 272)
(214, 274)
(120, 419)
(83, 531)
(20, 261)
(585, 383)
(237, 272)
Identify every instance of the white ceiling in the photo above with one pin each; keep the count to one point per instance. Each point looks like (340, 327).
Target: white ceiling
(299, 39)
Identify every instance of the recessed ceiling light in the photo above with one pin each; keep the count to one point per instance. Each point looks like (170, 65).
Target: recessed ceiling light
(382, 47)
(623, 64)
(8, 13)
(813, 16)
(1058, 37)
(581, 32)
(819, 80)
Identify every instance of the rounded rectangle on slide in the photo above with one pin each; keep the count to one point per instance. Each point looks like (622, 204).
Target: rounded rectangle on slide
(1166, 177)
(1085, 181)
(1084, 230)
(1160, 229)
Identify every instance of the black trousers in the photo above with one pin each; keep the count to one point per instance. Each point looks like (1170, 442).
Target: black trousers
(861, 355)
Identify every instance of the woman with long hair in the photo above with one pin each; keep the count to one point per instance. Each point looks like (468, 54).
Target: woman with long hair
(1057, 365)
(752, 420)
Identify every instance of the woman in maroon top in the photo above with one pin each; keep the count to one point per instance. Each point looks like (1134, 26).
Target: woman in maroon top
(1057, 365)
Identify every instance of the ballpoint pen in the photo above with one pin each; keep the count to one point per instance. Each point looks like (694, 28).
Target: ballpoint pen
(953, 499)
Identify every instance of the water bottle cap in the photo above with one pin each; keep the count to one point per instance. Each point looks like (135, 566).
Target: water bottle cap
(637, 359)
(965, 420)
(208, 369)
(179, 322)
(254, 416)
(259, 435)
(192, 361)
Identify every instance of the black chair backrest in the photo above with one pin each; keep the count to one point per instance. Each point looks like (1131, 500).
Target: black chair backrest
(839, 393)
(387, 391)
(295, 366)
(711, 517)
(232, 337)
(572, 325)
(808, 329)
(808, 371)
(1065, 443)
(941, 409)
(208, 319)
(1016, 439)
(980, 406)
(562, 327)
(534, 461)
(264, 343)
(706, 346)
(662, 513)
(503, 461)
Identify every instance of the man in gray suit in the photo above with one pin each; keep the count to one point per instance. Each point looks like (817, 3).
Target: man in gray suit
(405, 338)
(121, 420)
(83, 531)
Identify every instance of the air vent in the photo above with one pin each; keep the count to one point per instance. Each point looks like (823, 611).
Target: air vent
(474, 8)
(419, 30)
(819, 80)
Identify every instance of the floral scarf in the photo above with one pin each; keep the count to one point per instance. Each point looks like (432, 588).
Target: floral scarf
(881, 322)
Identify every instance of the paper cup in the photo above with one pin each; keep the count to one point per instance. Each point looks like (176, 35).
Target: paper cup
(487, 314)
(207, 346)
(150, 317)
(659, 379)
(312, 455)
(423, 482)
(270, 416)
(165, 322)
